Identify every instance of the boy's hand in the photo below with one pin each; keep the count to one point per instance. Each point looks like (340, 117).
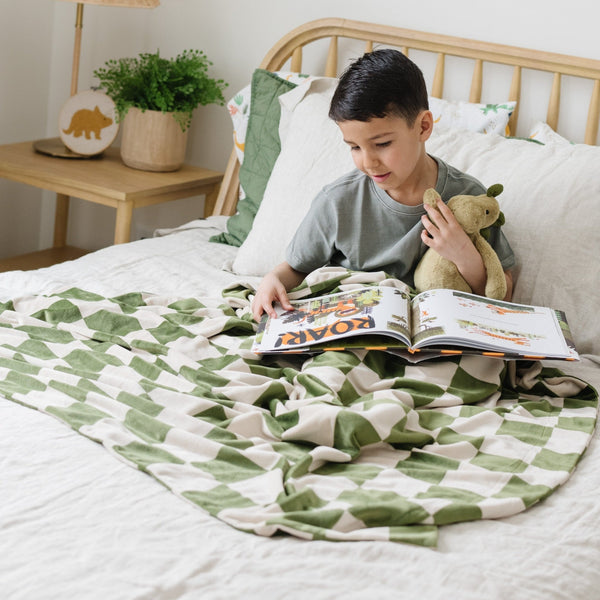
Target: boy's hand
(444, 234)
(273, 288)
(269, 291)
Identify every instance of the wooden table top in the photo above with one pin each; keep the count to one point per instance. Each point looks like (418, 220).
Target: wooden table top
(105, 175)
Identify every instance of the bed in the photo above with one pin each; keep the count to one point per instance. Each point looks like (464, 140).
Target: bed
(147, 453)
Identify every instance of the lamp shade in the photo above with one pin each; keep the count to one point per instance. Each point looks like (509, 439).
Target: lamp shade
(125, 3)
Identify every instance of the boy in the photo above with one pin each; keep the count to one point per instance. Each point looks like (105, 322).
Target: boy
(373, 218)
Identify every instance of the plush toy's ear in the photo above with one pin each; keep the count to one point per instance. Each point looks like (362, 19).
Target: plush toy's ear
(431, 197)
(495, 190)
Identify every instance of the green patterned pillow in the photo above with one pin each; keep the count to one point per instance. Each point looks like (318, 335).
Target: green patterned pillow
(262, 147)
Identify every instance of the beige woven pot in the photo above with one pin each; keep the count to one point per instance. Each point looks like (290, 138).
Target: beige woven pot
(152, 141)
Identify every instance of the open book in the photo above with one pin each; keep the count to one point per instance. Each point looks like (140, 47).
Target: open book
(432, 324)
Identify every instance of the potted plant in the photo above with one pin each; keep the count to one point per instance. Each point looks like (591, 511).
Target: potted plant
(154, 99)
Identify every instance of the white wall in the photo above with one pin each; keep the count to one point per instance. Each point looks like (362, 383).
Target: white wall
(36, 38)
(25, 40)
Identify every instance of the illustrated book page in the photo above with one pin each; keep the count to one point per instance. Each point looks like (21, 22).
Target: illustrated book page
(448, 317)
(433, 323)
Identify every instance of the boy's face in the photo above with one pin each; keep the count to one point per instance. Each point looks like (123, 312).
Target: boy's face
(390, 152)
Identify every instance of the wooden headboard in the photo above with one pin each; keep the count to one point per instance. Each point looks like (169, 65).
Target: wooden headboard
(292, 48)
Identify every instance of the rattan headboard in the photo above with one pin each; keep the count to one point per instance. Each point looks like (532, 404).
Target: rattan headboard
(291, 48)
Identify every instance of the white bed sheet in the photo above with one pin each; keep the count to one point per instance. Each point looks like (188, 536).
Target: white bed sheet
(185, 263)
(75, 522)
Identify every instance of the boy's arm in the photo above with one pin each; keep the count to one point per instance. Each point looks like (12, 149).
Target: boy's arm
(444, 234)
(273, 288)
(509, 286)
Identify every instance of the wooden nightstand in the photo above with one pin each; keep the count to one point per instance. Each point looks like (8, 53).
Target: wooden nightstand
(103, 180)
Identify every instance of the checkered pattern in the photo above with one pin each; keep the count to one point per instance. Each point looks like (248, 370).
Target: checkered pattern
(349, 445)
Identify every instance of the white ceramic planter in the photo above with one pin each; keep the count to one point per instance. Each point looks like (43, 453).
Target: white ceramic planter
(152, 141)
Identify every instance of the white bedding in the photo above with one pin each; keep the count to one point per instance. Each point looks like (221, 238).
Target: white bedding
(186, 262)
(77, 523)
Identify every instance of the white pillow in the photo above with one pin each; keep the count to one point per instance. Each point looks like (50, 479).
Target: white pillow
(483, 118)
(551, 201)
(543, 133)
(312, 154)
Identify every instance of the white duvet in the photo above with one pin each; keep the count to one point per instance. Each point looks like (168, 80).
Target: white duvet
(77, 523)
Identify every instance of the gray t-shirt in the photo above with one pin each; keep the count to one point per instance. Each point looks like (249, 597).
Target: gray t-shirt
(355, 224)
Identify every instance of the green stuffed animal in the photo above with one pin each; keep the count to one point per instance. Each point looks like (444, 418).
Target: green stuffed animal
(473, 213)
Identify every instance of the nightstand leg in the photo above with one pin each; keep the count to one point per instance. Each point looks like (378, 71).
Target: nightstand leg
(123, 222)
(210, 199)
(61, 218)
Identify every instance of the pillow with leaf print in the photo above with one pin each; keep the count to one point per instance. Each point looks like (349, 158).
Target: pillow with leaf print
(469, 116)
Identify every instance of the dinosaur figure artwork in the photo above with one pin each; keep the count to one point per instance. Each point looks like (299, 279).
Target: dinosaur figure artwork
(86, 121)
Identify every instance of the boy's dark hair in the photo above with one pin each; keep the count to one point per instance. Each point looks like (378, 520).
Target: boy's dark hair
(379, 84)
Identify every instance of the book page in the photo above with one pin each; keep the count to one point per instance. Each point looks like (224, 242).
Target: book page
(457, 318)
(368, 310)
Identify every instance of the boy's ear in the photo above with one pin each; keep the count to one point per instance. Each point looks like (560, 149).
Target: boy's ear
(425, 124)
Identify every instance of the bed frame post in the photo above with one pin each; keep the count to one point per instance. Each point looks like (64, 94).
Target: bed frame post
(554, 103)
(437, 88)
(591, 127)
(514, 94)
(476, 82)
(296, 63)
(332, 58)
(229, 190)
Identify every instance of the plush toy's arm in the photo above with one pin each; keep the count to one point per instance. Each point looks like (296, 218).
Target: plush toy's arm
(496, 285)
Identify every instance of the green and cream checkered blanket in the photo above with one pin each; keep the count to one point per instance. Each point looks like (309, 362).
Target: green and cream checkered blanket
(349, 445)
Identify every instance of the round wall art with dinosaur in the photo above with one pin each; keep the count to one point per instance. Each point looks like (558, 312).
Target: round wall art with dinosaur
(87, 123)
